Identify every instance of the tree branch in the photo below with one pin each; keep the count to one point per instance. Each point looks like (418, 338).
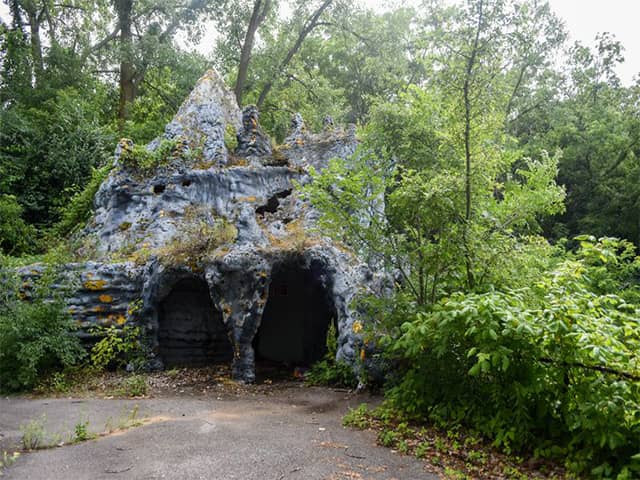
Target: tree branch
(310, 24)
(593, 368)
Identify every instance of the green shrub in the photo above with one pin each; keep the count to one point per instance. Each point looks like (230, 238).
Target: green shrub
(552, 367)
(116, 347)
(137, 157)
(81, 432)
(16, 236)
(36, 336)
(79, 209)
(330, 371)
(358, 417)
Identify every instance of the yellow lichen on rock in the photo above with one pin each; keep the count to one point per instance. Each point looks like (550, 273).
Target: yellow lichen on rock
(95, 284)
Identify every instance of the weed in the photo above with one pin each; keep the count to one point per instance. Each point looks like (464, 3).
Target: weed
(108, 425)
(81, 432)
(403, 447)
(328, 371)
(59, 382)
(440, 445)
(358, 417)
(33, 434)
(131, 419)
(513, 473)
(134, 386)
(453, 474)
(7, 460)
(421, 450)
(477, 457)
(388, 438)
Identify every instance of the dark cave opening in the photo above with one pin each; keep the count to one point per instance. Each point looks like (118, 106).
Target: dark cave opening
(296, 318)
(273, 203)
(191, 331)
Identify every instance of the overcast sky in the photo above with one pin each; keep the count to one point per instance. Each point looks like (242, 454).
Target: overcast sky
(584, 19)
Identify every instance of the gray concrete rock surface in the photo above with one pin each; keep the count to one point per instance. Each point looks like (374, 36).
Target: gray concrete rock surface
(225, 222)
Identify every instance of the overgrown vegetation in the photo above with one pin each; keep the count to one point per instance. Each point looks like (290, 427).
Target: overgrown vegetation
(36, 335)
(558, 361)
(330, 371)
(143, 160)
(202, 235)
(80, 207)
(491, 327)
(117, 348)
(496, 179)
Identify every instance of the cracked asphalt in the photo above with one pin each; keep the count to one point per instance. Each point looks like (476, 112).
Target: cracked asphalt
(291, 432)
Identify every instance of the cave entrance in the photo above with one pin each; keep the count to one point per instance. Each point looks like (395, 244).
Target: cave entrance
(191, 331)
(296, 318)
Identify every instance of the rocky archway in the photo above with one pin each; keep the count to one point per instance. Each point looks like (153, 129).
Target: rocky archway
(190, 328)
(296, 317)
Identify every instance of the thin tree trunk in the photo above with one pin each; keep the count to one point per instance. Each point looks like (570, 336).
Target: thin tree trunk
(260, 11)
(36, 44)
(467, 145)
(127, 86)
(311, 23)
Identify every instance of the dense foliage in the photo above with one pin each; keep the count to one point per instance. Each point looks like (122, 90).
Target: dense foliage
(552, 365)
(36, 336)
(497, 174)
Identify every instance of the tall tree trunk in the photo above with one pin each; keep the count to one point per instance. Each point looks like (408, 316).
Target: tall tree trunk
(260, 11)
(127, 85)
(466, 91)
(308, 27)
(36, 43)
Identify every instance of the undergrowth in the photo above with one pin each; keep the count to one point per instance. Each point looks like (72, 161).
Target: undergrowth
(330, 371)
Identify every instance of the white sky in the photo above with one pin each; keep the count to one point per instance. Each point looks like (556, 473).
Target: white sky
(584, 19)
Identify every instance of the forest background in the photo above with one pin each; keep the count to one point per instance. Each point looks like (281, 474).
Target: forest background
(511, 183)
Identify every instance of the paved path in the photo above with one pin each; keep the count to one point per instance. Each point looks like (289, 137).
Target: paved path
(288, 433)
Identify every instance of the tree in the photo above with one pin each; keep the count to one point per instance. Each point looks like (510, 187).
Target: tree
(284, 40)
(259, 14)
(595, 121)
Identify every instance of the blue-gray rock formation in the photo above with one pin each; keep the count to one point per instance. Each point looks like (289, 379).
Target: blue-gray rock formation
(211, 250)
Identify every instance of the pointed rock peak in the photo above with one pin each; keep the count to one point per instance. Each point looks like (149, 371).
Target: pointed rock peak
(327, 123)
(252, 141)
(209, 111)
(297, 131)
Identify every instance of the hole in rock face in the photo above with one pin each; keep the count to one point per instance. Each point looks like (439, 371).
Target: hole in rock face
(157, 189)
(273, 203)
(186, 183)
(296, 317)
(191, 332)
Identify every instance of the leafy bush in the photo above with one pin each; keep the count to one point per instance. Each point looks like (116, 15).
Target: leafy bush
(553, 366)
(16, 237)
(76, 213)
(330, 371)
(117, 347)
(47, 151)
(138, 157)
(36, 336)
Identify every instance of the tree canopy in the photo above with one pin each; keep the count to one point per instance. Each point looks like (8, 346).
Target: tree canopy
(497, 183)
